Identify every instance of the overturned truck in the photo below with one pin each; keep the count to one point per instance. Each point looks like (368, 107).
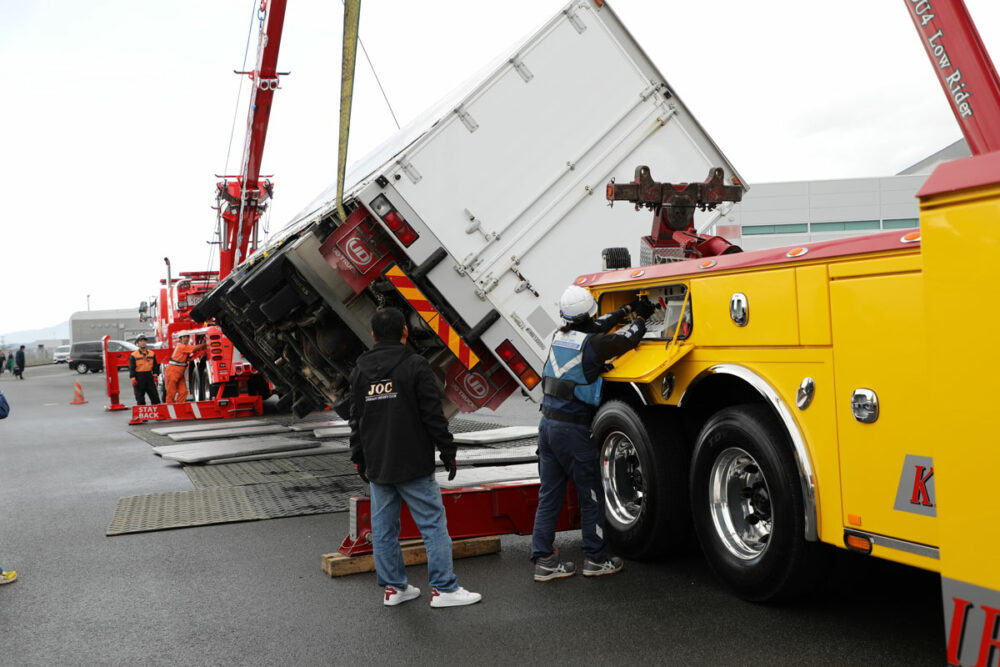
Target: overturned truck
(472, 220)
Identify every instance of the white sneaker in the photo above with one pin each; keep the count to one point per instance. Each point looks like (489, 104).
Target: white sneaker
(393, 596)
(456, 598)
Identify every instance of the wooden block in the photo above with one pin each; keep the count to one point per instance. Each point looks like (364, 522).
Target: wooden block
(339, 565)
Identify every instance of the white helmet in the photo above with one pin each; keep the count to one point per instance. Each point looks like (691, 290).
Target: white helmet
(577, 304)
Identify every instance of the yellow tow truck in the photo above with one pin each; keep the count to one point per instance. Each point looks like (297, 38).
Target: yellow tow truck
(837, 393)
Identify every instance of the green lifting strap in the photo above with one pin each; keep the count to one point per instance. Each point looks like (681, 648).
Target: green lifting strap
(352, 15)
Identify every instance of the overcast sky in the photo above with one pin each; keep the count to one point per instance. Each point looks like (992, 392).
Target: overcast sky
(116, 115)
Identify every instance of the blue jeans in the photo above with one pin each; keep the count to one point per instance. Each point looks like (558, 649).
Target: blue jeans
(567, 451)
(423, 497)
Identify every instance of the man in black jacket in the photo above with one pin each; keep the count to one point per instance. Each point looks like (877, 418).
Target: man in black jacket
(19, 363)
(396, 420)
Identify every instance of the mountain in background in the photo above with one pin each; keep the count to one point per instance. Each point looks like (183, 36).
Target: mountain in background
(27, 336)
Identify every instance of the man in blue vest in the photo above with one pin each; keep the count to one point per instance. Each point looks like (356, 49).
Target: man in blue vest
(571, 383)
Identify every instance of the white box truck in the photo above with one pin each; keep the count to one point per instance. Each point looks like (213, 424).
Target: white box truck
(473, 220)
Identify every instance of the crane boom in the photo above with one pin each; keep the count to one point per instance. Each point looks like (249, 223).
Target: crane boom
(964, 68)
(242, 199)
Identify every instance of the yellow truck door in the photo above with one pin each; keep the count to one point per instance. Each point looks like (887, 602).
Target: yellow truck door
(883, 401)
(883, 398)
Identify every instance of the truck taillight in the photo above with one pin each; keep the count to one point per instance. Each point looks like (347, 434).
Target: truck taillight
(517, 364)
(394, 221)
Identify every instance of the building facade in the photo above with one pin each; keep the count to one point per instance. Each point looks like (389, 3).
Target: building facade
(772, 215)
(122, 324)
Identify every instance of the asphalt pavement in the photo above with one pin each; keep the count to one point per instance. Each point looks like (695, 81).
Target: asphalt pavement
(254, 593)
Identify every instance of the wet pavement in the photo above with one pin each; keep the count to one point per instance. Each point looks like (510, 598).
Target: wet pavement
(254, 593)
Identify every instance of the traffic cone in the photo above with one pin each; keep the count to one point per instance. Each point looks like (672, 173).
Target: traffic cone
(77, 395)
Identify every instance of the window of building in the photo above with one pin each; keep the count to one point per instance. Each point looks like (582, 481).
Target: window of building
(851, 226)
(900, 223)
(774, 229)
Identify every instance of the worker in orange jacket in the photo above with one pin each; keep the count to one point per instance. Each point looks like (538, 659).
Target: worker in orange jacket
(174, 373)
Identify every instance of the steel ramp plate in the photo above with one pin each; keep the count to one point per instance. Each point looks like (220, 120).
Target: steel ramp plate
(269, 470)
(522, 454)
(328, 447)
(332, 432)
(477, 476)
(228, 450)
(462, 425)
(504, 434)
(312, 426)
(228, 432)
(249, 443)
(161, 511)
(207, 426)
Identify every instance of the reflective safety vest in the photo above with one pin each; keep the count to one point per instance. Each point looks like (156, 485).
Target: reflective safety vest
(144, 360)
(181, 354)
(563, 374)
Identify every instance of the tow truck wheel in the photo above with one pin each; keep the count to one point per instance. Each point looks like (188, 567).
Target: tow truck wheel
(643, 472)
(747, 506)
(194, 382)
(81, 368)
(202, 386)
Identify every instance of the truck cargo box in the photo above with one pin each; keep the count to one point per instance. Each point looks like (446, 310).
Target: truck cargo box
(488, 206)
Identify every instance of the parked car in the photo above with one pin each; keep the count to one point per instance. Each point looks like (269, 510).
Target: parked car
(89, 355)
(61, 354)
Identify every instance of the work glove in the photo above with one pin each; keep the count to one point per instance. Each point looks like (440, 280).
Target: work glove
(360, 467)
(450, 465)
(645, 308)
(135, 381)
(634, 304)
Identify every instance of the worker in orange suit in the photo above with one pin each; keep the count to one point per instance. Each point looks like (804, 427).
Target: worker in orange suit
(174, 373)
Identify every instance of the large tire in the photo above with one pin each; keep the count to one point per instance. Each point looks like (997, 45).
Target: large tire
(264, 280)
(201, 393)
(616, 258)
(747, 506)
(208, 306)
(644, 463)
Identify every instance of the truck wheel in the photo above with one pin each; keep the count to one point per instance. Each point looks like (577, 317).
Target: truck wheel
(193, 381)
(207, 307)
(643, 471)
(201, 389)
(264, 280)
(747, 506)
(616, 258)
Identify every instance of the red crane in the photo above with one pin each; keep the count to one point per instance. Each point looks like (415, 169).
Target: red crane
(964, 68)
(242, 198)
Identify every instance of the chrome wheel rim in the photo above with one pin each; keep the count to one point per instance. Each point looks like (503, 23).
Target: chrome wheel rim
(740, 503)
(622, 478)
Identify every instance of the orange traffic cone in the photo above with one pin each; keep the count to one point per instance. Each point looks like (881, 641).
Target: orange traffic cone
(77, 395)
